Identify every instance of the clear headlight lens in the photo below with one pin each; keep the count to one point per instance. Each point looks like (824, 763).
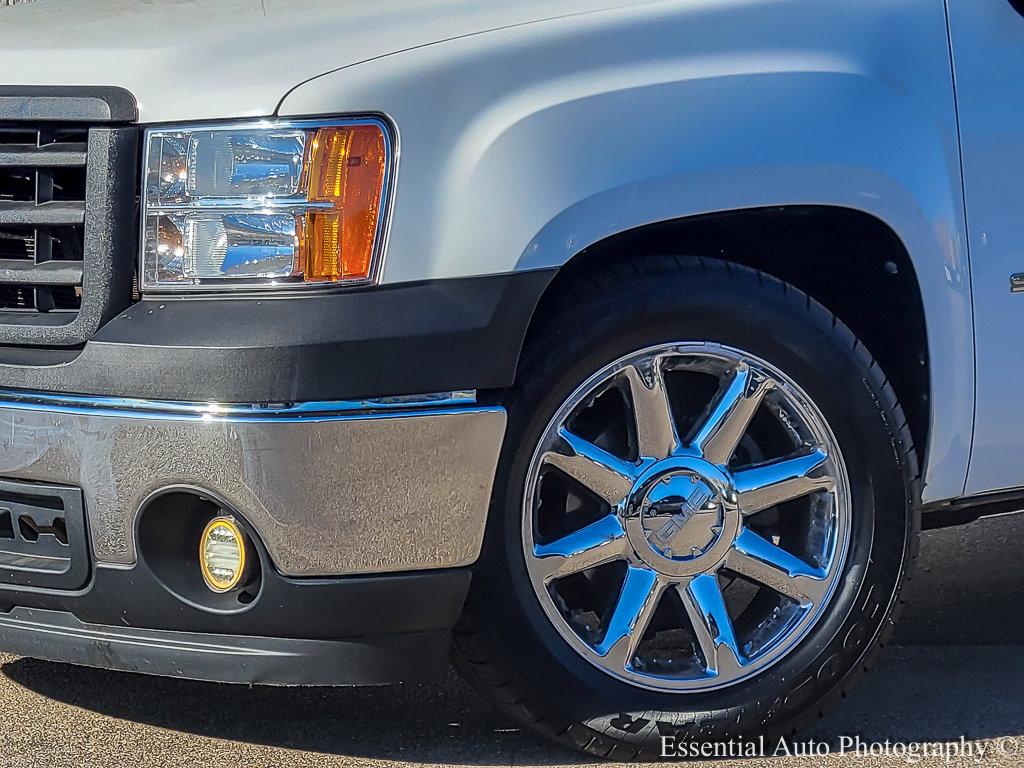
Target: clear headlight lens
(264, 205)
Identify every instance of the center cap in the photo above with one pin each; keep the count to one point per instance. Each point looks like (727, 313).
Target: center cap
(682, 516)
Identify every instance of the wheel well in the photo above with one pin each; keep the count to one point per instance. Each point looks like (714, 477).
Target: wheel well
(849, 261)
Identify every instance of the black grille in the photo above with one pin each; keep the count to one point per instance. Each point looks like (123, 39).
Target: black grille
(67, 221)
(42, 181)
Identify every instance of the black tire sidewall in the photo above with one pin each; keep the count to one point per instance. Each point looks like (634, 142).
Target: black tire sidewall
(783, 327)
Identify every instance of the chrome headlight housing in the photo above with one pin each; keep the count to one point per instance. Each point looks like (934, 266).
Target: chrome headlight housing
(264, 205)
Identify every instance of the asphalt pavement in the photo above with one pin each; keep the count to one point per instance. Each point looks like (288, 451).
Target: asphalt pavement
(948, 692)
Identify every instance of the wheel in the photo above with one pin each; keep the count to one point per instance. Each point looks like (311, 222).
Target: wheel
(704, 513)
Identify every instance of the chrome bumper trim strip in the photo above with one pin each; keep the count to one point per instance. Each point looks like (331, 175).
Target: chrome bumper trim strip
(166, 409)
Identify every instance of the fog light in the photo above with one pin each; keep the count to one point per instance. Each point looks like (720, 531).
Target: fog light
(222, 554)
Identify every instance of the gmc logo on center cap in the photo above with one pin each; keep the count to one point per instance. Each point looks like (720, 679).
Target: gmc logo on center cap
(688, 507)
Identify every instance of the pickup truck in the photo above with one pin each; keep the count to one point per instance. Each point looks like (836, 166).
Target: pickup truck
(619, 350)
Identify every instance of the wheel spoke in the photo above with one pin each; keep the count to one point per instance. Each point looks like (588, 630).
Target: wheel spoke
(765, 486)
(731, 415)
(600, 542)
(705, 605)
(638, 599)
(758, 559)
(602, 472)
(655, 428)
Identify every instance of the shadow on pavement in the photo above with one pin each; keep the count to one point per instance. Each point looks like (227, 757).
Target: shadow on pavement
(444, 723)
(957, 670)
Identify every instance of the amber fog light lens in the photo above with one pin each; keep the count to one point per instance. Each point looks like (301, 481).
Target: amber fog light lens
(222, 554)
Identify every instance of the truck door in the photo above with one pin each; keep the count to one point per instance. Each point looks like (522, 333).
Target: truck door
(987, 39)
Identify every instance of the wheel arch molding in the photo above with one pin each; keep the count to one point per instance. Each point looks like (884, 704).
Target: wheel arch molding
(852, 263)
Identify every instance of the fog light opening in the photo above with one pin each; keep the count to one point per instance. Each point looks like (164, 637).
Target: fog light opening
(223, 554)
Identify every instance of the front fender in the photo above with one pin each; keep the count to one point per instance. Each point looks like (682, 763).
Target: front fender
(521, 147)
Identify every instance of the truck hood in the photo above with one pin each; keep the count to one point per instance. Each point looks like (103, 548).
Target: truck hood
(203, 59)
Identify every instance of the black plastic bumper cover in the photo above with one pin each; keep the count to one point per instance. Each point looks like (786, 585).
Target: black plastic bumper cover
(403, 339)
(54, 636)
(343, 631)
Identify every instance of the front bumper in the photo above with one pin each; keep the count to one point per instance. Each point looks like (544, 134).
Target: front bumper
(331, 488)
(364, 515)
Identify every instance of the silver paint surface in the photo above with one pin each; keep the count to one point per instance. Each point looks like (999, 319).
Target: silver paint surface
(329, 495)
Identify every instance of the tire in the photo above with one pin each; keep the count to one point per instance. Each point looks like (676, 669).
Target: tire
(509, 642)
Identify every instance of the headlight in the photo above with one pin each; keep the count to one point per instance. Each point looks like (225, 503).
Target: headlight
(264, 205)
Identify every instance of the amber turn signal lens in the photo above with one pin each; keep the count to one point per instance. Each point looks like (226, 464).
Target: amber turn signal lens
(347, 165)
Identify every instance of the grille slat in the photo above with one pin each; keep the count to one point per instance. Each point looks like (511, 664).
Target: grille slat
(71, 155)
(42, 220)
(54, 213)
(17, 271)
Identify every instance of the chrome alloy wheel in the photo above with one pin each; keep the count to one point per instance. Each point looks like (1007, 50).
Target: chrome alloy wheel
(687, 516)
